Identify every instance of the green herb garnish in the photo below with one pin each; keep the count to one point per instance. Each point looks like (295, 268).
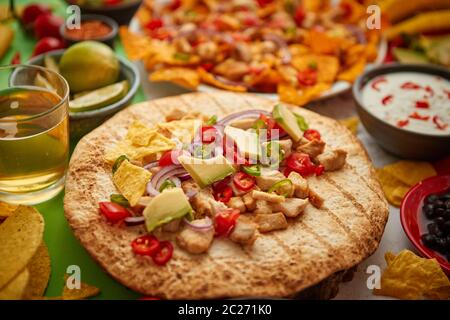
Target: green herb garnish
(118, 162)
(167, 184)
(119, 199)
(182, 56)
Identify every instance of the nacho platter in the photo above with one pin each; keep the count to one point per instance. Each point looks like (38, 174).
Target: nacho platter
(315, 245)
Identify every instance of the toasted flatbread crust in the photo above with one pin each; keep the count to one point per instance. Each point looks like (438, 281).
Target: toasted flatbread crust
(337, 237)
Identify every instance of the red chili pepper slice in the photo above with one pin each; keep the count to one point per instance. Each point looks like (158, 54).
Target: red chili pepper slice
(307, 77)
(146, 245)
(112, 2)
(402, 123)
(319, 170)
(417, 116)
(154, 24)
(301, 163)
(447, 93)
(208, 134)
(113, 211)
(299, 15)
(225, 221)
(387, 100)
(164, 254)
(410, 86)
(16, 58)
(422, 104)
(438, 122)
(170, 157)
(243, 181)
(312, 134)
(208, 66)
(223, 195)
(429, 90)
(271, 124)
(376, 82)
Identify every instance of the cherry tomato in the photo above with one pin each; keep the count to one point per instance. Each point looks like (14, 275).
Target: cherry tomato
(164, 254)
(113, 212)
(312, 134)
(145, 245)
(32, 11)
(307, 77)
(47, 25)
(223, 195)
(220, 185)
(16, 58)
(271, 124)
(208, 134)
(154, 24)
(170, 157)
(301, 163)
(225, 221)
(299, 15)
(47, 44)
(243, 181)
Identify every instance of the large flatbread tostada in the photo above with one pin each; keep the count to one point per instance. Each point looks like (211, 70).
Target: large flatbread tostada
(336, 224)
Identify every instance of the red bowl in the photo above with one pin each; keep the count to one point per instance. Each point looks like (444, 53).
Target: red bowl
(413, 220)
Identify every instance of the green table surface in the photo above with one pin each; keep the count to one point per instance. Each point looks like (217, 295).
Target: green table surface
(65, 250)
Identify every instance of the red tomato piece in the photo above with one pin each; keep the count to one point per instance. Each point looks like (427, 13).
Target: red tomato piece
(307, 77)
(312, 134)
(146, 245)
(225, 221)
(299, 15)
(208, 134)
(319, 170)
(417, 116)
(223, 195)
(174, 5)
(301, 163)
(271, 124)
(402, 123)
(243, 181)
(154, 24)
(422, 104)
(170, 157)
(47, 25)
(208, 66)
(113, 211)
(164, 254)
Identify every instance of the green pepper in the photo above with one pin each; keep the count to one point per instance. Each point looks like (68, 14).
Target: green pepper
(280, 186)
(253, 170)
(313, 65)
(119, 199)
(211, 121)
(274, 159)
(182, 56)
(259, 124)
(118, 162)
(167, 184)
(303, 125)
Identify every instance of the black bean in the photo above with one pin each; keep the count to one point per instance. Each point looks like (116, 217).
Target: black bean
(441, 244)
(428, 209)
(429, 240)
(439, 221)
(446, 227)
(431, 198)
(447, 204)
(448, 257)
(445, 197)
(438, 212)
(433, 228)
(446, 215)
(439, 204)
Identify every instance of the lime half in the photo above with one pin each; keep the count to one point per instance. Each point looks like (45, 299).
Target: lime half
(99, 98)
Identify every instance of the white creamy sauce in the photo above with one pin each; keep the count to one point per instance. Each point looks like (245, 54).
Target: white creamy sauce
(410, 100)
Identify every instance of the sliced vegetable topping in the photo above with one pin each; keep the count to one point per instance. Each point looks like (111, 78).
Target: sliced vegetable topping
(113, 212)
(283, 188)
(209, 134)
(301, 163)
(224, 194)
(303, 125)
(119, 199)
(274, 154)
(253, 170)
(170, 157)
(167, 184)
(146, 245)
(244, 181)
(164, 254)
(118, 162)
(312, 134)
(211, 121)
(225, 221)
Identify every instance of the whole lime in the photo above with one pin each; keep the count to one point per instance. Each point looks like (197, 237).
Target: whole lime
(89, 65)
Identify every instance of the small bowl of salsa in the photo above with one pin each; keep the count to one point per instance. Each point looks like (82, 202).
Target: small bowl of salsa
(92, 27)
(406, 109)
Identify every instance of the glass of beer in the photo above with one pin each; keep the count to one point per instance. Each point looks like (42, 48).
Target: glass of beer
(34, 136)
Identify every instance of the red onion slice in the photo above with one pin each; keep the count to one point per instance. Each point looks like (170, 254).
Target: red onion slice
(254, 113)
(165, 173)
(286, 56)
(207, 225)
(134, 221)
(151, 165)
(191, 193)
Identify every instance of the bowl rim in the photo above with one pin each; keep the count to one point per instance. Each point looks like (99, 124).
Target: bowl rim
(390, 68)
(125, 5)
(405, 218)
(88, 17)
(124, 64)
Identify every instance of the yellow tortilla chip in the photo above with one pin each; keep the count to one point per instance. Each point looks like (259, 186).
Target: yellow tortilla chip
(410, 172)
(20, 236)
(85, 291)
(394, 190)
(39, 268)
(408, 276)
(327, 66)
(136, 46)
(351, 124)
(139, 134)
(290, 94)
(6, 210)
(351, 73)
(184, 130)
(183, 76)
(15, 289)
(131, 181)
(209, 78)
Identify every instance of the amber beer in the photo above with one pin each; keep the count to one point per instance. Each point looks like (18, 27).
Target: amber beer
(33, 140)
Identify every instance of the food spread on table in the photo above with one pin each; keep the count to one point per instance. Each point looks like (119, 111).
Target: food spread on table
(89, 30)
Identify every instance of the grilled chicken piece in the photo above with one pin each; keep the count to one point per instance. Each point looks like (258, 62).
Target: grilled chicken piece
(268, 179)
(244, 232)
(249, 202)
(262, 207)
(207, 50)
(270, 222)
(237, 203)
(175, 114)
(286, 146)
(291, 207)
(332, 160)
(232, 69)
(313, 148)
(269, 197)
(300, 185)
(203, 202)
(315, 199)
(195, 241)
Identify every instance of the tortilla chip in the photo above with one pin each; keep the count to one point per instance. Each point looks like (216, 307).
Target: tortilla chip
(85, 291)
(184, 130)
(411, 172)
(394, 190)
(351, 124)
(209, 78)
(183, 76)
(298, 49)
(7, 210)
(327, 66)
(321, 43)
(351, 73)
(290, 94)
(408, 276)
(20, 236)
(139, 134)
(136, 46)
(15, 289)
(131, 181)
(39, 268)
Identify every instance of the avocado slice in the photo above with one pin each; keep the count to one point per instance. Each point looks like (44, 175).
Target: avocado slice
(246, 141)
(167, 206)
(207, 171)
(409, 56)
(288, 121)
(438, 50)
